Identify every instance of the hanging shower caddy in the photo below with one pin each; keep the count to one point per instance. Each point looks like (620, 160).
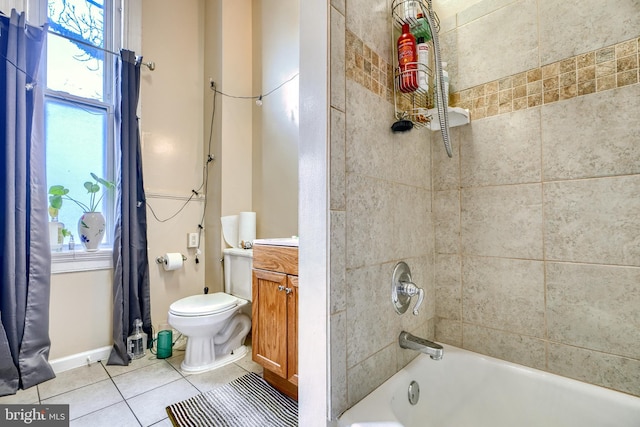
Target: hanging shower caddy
(420, 106)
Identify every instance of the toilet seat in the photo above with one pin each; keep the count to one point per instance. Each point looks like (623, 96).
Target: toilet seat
(204, 304)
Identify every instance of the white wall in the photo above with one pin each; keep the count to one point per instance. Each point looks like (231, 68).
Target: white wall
(236, 131)
(80, 312)
(172, 140)
(276, 45)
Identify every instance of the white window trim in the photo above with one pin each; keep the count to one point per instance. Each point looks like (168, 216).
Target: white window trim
(131, 34)
(80, 260)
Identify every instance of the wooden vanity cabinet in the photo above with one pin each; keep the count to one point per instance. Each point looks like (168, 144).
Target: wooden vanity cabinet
(275, 315)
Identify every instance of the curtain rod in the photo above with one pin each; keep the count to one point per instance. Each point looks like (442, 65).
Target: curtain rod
(150, 65)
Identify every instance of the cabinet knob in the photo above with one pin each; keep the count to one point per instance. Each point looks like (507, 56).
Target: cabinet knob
(281, 288)
(288, 290)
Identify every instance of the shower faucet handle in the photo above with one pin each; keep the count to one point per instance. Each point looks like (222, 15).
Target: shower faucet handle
(403, 289)
(410, 289)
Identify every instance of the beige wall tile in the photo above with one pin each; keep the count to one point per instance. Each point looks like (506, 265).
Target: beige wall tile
(338, 261)
(448, 287)
(593, 220)
(449, 331)
(338, 363)
(370, 216)
(505, 294)
(446, 217)
(446, 171)
(601, 141)
(412, 224)
(363, 378)
(503, 345)
(372, 323)
(448, 41)
(571, 28)
(504, 150)
(503, 221)
(594, 367)
(480, 9)
(411, 161)
(369, 146)
(337, 60)
(594, 306)
(510, 47)
(338, 154)
(339, 5)
(364, 15)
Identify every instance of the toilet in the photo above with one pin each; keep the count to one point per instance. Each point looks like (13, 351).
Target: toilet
(217, 324)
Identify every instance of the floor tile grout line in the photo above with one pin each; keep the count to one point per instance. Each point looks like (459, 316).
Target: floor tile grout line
(71, 390)
(109, 406)
(126, 401)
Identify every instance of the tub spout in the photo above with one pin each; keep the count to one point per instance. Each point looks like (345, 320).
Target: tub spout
(434, 350)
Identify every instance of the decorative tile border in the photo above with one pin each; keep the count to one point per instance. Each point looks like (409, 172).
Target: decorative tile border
(596, 71)
(366, 67)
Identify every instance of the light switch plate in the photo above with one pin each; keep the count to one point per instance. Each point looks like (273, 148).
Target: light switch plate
(192, 240)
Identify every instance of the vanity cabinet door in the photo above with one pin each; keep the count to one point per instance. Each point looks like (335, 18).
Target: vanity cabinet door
(269, 321)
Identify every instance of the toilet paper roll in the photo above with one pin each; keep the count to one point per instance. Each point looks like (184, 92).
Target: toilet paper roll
(172, 261)
(247, 227)
(230, 230)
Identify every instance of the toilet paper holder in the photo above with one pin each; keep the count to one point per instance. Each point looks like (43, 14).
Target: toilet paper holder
(162, 259)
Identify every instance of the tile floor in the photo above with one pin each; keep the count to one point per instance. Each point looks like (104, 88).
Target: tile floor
(134, 395)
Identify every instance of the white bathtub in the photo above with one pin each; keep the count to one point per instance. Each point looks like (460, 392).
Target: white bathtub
(466, 389)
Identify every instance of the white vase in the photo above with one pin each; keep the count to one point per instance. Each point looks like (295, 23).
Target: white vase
(91, 229)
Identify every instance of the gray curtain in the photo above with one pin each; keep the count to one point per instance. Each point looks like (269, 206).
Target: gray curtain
(25, 267)
(131, 293)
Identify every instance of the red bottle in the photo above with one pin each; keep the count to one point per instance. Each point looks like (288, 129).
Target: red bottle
(407, 60)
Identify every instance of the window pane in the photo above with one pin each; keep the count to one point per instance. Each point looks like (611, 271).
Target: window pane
(74, 66)
(75, 148)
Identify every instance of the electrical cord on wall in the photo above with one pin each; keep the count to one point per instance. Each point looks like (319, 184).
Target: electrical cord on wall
(258, 98)
(210, 159)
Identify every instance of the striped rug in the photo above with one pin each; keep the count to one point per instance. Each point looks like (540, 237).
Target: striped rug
(245, 402)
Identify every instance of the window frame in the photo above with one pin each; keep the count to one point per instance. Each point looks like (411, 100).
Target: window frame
(66, 261)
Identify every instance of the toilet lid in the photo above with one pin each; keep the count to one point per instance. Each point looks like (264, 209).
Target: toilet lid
(199, 305)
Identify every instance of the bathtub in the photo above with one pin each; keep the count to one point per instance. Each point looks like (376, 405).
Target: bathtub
(466, 389)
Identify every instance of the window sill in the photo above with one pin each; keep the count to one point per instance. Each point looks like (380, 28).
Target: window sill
(80, 260)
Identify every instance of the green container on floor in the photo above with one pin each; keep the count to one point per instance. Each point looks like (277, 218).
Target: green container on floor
(165, 344)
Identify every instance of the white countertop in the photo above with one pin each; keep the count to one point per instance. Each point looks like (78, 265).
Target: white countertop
(285, 241)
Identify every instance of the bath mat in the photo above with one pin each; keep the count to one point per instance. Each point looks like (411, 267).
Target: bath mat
(247, 401)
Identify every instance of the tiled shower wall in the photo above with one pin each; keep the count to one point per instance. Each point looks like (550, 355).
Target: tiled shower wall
(535, 222)
(537, 218)
(380, 185)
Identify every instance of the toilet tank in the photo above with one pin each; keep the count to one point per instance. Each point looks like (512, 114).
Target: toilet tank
(237, 272)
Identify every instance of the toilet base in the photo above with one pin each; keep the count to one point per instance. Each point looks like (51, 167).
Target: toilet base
(221, 361)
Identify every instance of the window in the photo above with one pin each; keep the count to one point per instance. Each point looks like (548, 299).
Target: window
(79, 104)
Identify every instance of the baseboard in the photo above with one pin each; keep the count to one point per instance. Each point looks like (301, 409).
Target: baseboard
(80, 359)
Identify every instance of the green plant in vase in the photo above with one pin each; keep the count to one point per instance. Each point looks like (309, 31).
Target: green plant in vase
(91, 226)
(58, 193)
